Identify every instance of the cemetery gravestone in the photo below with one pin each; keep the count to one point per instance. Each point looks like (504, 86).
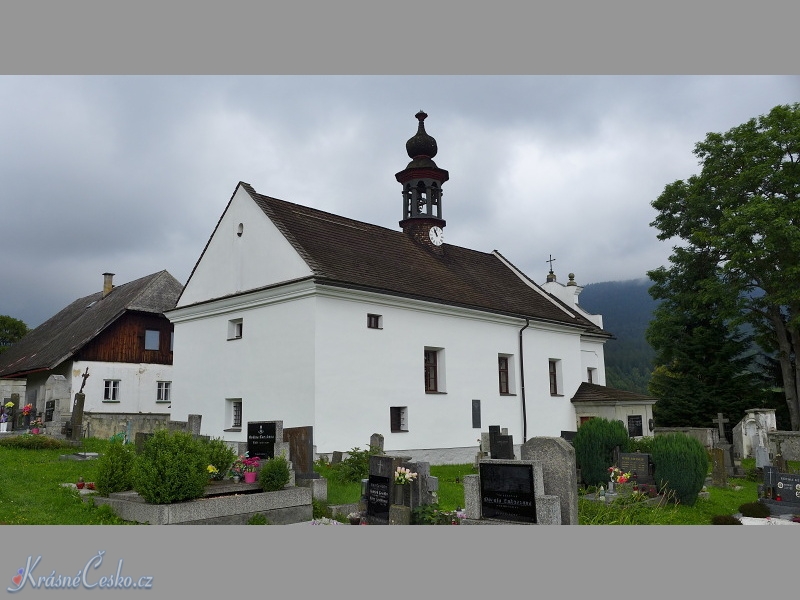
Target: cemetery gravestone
(560, 479)
(380, 487)
(507, 492)
(638, 463)
(376, 442)
(301, 451)
(261, 438)
(494, 433)
(718, 473)
(762, 457)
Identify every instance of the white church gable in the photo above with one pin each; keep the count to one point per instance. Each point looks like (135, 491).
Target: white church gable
(245, 252)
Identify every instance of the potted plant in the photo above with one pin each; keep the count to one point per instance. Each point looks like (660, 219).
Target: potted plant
(237, 469)
(5, 411)
(36, 425)
(251, 465)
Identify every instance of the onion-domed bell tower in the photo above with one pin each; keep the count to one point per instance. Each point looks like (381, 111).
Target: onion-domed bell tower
(422, 190)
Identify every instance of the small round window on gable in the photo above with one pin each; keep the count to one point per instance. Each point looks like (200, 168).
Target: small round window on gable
(240, 229)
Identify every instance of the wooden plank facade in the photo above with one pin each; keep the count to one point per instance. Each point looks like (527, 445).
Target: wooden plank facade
(124, 341)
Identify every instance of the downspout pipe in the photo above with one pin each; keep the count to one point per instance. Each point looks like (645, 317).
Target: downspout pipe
(522, 384)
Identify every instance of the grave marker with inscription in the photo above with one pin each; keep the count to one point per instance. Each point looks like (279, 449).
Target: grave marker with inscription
(261, 438)
(639, 463)
(507, 492)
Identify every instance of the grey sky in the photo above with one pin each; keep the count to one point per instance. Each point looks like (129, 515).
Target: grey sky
(129, 174)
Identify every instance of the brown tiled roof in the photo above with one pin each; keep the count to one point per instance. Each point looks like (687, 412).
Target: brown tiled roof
(349, 253)
(64, 334)
(592, 392)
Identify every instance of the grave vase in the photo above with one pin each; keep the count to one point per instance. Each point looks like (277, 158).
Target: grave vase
(611, 487)
(399, 494)
(250, 477)
(3, 427)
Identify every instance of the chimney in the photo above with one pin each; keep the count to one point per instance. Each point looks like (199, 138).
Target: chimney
(108, 284)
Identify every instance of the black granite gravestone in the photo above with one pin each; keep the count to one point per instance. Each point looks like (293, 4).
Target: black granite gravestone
(639, 463)
(507, 492)
(494, 432)
(504, 447)
(261, 439)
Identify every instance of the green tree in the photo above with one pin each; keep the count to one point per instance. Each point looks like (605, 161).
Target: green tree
(742, 212)
(703, 364)
(11, 331)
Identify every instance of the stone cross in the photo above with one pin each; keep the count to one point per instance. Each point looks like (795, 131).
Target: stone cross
(720, 420)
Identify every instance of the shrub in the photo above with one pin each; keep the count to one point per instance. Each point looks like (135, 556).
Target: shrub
(220, 454)
(275, 474)
(756, 510)
(431, 514)
(594, 448)
(643, 445)
(681, 465)
(115, 469)
(725, 520)
(170, 468)
(33, 442)
(355, 467)
(258, 519)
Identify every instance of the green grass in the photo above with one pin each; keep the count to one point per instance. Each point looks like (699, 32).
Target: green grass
(30, 486)
(31, 492)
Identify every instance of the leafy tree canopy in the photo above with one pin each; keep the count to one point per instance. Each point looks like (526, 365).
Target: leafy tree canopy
(11, 331)
(738, 259)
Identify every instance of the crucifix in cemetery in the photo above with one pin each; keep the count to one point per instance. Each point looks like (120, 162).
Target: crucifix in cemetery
(76, 421)
(720, 420)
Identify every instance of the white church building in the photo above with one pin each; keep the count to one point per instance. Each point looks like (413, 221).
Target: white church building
(310, 318)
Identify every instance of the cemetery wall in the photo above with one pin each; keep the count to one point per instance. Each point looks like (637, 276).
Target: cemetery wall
(703, 435)
(11, 386)
(104, 425)
(786, 443)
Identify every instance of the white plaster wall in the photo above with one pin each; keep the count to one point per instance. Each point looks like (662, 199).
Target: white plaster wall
(137, 388)
(361, 372)
(549, 415)
(270, 368)
(593, 355)
(232, 263)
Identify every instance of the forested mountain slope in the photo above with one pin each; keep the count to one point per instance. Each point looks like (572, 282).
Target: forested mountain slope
(627, 308)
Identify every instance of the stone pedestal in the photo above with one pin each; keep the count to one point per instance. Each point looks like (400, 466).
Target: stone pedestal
(399, 515)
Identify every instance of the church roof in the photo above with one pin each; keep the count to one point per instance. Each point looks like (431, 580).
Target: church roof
(593, 392)
(69, 330)
(349, 253)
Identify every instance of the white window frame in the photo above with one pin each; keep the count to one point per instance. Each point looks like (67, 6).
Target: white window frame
(235, 329)
(441, 380)
(512, 389)
(111, 390)
(164, 391)
(559, 378)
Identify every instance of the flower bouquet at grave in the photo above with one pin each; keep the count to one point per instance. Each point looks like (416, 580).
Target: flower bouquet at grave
(251, 464)
(213, 472)
(403, 476)
(26, 410)
(237, 468)
(618, 476)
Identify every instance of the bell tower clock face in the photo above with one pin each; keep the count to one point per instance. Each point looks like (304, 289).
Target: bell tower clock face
(436, 235)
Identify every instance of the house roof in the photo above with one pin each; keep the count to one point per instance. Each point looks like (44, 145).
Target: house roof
(349, 253)
(593, 392)
(69, 330)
